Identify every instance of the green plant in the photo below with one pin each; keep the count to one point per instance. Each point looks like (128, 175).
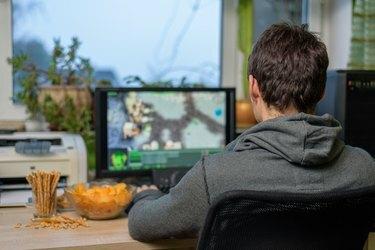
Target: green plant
(65, 68)
(68, 117)
(161, 84)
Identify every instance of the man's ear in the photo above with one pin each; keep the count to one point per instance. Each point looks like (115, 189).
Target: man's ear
(254, 92)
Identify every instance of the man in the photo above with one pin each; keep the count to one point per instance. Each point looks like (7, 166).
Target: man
(290, 149)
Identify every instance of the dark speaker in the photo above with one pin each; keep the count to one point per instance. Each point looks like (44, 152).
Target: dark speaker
(350, 98)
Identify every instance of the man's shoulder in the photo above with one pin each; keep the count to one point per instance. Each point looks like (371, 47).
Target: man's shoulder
(233, 158)
(356, 161)
(215, 161)
(357, 154)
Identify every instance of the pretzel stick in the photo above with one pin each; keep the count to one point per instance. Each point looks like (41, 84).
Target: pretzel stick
(48, 193)
(39, 196)
(55, 182)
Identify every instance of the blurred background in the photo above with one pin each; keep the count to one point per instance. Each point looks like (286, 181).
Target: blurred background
(51, 47)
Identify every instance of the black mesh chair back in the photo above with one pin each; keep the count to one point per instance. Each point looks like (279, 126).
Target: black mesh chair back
(271, 220)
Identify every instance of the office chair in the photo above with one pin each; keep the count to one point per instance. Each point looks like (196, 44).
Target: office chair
(273, 220)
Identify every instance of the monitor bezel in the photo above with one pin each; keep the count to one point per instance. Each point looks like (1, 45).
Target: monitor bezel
(101, 142)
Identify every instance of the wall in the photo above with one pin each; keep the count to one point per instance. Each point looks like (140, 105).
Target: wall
(337, 22)
(231, 56)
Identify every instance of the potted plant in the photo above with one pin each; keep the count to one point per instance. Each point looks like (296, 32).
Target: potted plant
(65, 82)
(69, 77)
(60, 94)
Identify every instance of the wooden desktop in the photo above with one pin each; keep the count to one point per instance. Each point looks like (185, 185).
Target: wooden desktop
(105, 234)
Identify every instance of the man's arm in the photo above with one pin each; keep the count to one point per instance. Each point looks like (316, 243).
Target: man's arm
(180, 213)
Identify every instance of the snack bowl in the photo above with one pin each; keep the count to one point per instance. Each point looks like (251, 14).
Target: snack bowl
(99, 201)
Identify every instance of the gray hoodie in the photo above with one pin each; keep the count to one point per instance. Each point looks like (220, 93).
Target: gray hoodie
(299, 153)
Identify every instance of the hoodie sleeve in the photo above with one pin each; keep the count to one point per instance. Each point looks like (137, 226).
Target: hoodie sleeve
(180, 213)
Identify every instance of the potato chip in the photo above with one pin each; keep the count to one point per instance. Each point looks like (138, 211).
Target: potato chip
(100, 202)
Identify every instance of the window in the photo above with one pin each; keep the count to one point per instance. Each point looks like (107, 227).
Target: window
(267, 12)
(157, 40)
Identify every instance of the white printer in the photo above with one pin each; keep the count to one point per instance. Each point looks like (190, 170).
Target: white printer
(67, 154)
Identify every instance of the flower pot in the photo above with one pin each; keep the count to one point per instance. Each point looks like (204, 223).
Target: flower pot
(244, 114)
(35, 125)
(81, 96)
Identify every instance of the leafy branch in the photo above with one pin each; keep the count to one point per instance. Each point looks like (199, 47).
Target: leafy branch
(131, 80)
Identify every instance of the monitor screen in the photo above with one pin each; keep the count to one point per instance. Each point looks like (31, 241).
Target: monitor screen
(146, 129)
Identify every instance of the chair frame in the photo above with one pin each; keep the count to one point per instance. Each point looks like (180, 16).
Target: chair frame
(280, 197)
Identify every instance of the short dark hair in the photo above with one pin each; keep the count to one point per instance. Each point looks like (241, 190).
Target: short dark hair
(290, 64)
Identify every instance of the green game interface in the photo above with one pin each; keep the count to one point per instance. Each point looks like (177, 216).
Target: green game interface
(156, 130)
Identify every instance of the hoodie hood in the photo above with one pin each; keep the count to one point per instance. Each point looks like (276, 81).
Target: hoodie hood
(303, 139)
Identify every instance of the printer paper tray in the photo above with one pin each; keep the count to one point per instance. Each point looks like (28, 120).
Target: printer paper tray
(22, 169)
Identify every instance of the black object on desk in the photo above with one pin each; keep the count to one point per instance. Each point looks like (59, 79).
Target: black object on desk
(141, 131)
(350, 98)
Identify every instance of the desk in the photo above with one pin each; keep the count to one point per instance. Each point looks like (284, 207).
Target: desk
(105, 234)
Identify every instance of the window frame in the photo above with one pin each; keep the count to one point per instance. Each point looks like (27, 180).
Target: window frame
(9, 109)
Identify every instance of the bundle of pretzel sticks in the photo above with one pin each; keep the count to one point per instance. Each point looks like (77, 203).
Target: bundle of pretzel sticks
(43, 185)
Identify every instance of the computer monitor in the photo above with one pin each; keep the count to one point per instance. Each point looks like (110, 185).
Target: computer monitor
(144, 129)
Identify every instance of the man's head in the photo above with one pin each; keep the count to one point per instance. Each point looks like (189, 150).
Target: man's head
(287, 71)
